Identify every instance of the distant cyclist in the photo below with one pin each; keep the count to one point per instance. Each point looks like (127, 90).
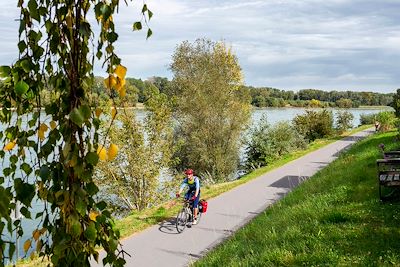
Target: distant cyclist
(193, 192)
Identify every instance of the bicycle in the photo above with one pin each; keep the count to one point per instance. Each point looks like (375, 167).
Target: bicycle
(185, 215)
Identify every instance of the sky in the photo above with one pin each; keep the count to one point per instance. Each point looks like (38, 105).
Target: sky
(285, 44)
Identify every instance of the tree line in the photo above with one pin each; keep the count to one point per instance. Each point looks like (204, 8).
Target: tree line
(272, 97)
(260, 96)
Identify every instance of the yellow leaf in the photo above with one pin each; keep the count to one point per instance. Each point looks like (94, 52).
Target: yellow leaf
(98, 112)
(120, 71)
(68, 19)
(53, 125)
(27, 245)
(36, 234)
(120, 84)
(9, 146)
(113, 112)
(122, 93)
(41, 134)
(110, 82)
(102, 152)
(43, 127)
(93, 215)
(73, 161)
(112, 151)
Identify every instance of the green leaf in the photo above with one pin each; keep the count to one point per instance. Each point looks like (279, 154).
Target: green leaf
(85, 30)
(4, 203)
(21, 88)
(33, 10)
(91, 232)
(112, 37)
(14, 159)
(76, 228)
(92, 189)
(85, 111)
(99, 54)
(25, 192)
(7, 171)
(26, 168)
(101, 205)
(21, 46)
(105, 11)
(144, 9)
(11, 250)
(44, 172)
(77, 117)
(137, 26)
(92, 158)
(39, 214)
(24, 211)
(80, 207)
(150, 14)
(5, 71)
(149, 33)
(26, 66)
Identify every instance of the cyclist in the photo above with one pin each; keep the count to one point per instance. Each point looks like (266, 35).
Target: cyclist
(193, 192)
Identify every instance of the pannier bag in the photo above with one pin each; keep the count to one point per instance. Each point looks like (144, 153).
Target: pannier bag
(203, 205)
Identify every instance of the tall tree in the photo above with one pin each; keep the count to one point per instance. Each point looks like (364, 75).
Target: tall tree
(133, 180)
(52, 154)
(211, 109)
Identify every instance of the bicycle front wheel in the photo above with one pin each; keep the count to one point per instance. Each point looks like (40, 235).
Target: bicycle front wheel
(181, 220)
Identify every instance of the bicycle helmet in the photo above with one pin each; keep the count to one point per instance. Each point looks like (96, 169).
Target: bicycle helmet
(189, 171)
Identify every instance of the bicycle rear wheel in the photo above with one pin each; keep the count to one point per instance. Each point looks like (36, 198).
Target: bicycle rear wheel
(181, 220)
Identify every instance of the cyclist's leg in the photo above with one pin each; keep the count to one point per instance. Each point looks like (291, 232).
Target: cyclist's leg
(187, 195)
(196, 206)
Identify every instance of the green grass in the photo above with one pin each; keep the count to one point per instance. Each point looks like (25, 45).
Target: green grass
(333, 219)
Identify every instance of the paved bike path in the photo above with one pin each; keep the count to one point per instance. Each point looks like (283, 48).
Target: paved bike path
(161, 245)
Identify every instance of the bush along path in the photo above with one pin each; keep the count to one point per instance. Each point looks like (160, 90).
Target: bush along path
(162, 245)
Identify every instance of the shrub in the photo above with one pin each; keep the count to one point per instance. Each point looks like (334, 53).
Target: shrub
(268, 143)
(386, 119)
(367, 119)
(344, 121)
(314, 124)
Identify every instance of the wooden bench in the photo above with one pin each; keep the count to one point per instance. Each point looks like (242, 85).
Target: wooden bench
(388, 176)
(391, 154)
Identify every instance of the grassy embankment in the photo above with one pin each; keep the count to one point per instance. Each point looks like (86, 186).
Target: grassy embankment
(333, 219)
(139, 221)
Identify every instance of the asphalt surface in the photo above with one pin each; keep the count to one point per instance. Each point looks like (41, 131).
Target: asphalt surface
(162, 245)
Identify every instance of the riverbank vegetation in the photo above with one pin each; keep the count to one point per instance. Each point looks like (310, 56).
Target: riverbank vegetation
(335, 218)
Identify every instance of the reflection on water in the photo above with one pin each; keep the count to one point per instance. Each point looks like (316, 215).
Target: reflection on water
(283, 114)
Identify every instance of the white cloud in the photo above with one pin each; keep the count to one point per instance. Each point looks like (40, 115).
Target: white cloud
(331, 44)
